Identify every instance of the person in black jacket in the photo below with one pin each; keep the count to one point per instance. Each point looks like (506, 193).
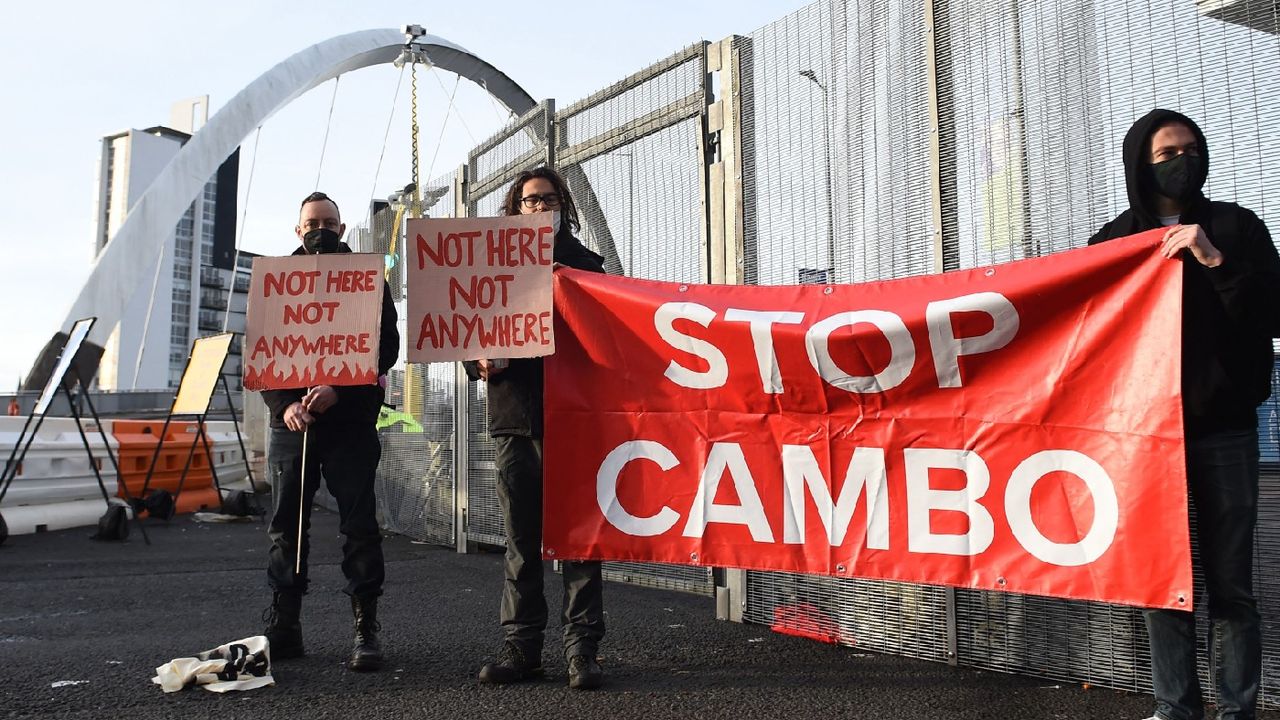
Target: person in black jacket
(515, 423)
(343, 446)
(1231, 299)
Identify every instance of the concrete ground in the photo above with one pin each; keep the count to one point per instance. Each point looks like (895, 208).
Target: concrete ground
(83, 625)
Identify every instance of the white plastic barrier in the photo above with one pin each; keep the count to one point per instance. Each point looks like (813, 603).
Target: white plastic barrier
(55, 486)
(228, 459)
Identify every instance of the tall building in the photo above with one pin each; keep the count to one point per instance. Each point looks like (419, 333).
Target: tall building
(193, 289)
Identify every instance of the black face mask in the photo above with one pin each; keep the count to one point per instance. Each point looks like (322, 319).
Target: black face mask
(320, 240)
(1179, 178)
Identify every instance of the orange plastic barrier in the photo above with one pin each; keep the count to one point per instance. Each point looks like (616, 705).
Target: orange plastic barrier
(137, 440)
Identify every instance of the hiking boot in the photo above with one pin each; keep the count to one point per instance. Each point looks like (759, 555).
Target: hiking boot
(366, 655)
(513, 665)
(284, 627)
(585, 673)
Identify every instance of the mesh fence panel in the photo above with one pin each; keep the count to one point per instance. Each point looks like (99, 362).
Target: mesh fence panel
(650, 191)
(519, 146)
(653, 92)
(856, 73)
(522, 144)
(639, 191)
(1034, 100)
(1041, 97)
(885, 617)
(439, 199)
(834, 109)
(415, 480)
(416, 476)
(484, 517)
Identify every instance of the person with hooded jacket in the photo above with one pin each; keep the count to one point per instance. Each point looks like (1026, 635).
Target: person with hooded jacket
(515, 423)
(1231, 298)
(343, 447)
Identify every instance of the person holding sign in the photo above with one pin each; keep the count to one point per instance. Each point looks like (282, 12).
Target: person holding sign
(344, 448)
(515, 423)
(1231, 290)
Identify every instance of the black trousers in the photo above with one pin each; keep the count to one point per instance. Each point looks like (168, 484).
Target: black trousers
(524, 607)
(1222, 476)
(346, 456)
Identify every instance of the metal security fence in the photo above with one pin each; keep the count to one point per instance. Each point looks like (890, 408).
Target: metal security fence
(415, 480)
(835, 108)
(971, 134)
(632, 154)
(856, 141)
(417, 474)
(523, 144)
(886, 617)
(835, 158)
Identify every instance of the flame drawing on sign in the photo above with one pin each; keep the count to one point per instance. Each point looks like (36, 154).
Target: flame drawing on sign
(272, 378)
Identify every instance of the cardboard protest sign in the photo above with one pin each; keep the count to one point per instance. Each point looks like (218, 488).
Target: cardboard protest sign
(480, 287)
(313, 320)
(200, 378)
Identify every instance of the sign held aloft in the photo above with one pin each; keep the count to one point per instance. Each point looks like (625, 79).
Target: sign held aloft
(313, 320)
(480, 287)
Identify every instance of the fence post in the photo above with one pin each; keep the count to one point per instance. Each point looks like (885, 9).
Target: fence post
(723, 166)
(549, 134)
(461, 410)
(942, 200)
(723, 228)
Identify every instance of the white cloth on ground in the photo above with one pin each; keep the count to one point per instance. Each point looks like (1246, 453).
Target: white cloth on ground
(238, 665)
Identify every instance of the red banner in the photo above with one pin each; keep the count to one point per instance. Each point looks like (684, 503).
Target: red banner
(1011, 428)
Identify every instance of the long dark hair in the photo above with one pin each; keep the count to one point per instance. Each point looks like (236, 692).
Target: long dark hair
(568, 210)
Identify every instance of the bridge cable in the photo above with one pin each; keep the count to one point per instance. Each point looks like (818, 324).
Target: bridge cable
(377, 171)
(146, 324)
(324, 144)
(455, 110)
(440, 140)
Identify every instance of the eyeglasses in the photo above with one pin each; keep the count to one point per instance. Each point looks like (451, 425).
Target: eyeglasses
(551, 200)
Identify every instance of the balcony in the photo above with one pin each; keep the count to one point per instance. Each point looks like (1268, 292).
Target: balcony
(215, 299)
(212, 277)
(210, 321)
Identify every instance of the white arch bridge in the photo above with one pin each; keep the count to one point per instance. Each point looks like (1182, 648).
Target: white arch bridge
(117, 272)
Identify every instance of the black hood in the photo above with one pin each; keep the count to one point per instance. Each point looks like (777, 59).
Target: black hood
(1137, 165)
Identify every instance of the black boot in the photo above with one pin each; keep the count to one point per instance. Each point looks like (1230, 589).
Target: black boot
(516, 663)
(585, 672)
(284, 627)
(367, 653)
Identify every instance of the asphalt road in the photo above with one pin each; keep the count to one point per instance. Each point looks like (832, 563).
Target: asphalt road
(83, 625)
